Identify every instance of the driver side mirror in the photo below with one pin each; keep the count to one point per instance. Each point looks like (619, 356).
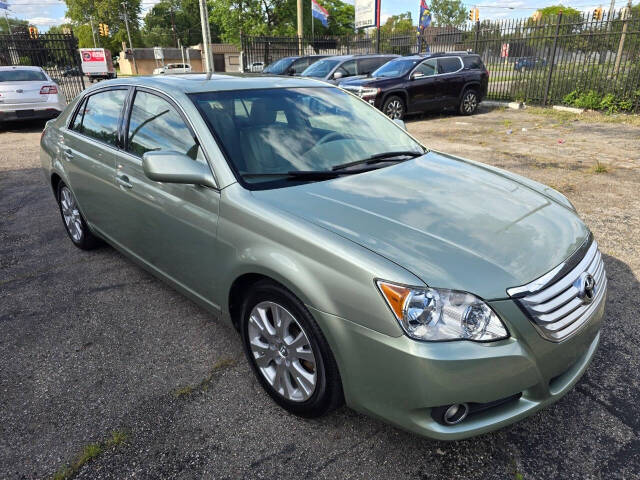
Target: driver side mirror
(174, 167)
(417, 75)
(337, 75)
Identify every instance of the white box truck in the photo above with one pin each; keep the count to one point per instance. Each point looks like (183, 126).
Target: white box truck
(97, 64)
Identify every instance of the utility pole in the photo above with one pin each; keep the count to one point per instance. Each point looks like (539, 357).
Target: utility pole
(6, 16)
(126, 22)
(206, 36)
(181, 51)
(173, 27)
(609, 18)
(93, 32)
(626, 13)
(300, 27)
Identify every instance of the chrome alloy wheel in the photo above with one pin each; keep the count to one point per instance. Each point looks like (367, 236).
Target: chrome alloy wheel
(71, 214)
(282, 351)
(469, 102)
(394, 109)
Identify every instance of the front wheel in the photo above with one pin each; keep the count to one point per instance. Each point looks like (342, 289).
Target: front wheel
(469, 102)
(288, 353)
(394, 108)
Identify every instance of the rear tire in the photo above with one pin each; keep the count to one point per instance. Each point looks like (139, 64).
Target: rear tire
(73, 221)
(394, 108)
(288, 352)
(469, 102)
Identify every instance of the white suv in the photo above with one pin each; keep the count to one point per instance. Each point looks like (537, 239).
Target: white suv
(172, 69)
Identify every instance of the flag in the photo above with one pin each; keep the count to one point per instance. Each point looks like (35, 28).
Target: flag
(425, 16)
(320, 12)
(4, 5)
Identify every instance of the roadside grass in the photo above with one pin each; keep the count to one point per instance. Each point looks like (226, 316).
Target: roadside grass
(587, 116)
(205, 383)
(599, 167)
(89, 453)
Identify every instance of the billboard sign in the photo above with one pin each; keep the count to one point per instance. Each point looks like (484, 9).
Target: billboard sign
(366, 13)
(504, 51)
(158, 53)
(96, 60)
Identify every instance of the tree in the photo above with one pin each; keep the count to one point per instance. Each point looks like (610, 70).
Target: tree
(184, 14)
(17, 25)
(554, 10)
(449, 13)
(81, 12)
(401, 23)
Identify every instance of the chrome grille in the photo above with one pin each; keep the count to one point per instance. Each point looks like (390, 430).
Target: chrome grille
(558, 307)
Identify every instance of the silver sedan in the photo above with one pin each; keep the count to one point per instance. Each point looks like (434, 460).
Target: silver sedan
(28, 93)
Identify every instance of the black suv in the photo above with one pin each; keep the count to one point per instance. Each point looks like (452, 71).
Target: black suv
(419, 83)
(292, 65)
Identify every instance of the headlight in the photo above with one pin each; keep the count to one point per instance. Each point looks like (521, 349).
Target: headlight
(368, 92)
(438, 314)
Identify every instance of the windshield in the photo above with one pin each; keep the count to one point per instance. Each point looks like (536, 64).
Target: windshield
(22, 76)
(320, 69)
(271, 132)
(396, 68)
(279, 66)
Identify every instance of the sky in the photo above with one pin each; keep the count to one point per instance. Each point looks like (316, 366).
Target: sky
(45, 13)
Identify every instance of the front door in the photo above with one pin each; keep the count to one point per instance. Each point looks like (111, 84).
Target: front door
(422, 86)
(89, 155)
(171, 227)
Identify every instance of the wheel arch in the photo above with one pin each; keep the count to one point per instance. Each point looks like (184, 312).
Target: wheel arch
(474, 84)
(398, 93)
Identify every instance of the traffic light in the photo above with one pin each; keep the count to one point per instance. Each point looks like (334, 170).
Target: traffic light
(474, 14)
(597, 14)
(536, 16)
(103, 28)
(106, 30)
(33, 32)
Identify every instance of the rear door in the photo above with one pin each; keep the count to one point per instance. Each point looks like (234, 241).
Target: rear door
(172, 227)
(89, 155)
(450, 80)
(423, 94)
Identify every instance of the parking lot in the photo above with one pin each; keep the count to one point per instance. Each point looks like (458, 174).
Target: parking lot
(95, 351)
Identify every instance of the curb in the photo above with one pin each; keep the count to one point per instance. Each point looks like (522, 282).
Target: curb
(568, 109)
(497, 104)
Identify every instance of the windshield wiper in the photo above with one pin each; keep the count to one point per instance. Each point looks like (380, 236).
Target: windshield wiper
(380, 157)
(300, 174)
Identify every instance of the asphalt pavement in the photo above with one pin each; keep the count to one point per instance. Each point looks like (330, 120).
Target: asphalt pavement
(91, 344)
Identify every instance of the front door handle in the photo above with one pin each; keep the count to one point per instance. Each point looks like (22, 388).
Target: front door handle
(68, 153)
(123, 181)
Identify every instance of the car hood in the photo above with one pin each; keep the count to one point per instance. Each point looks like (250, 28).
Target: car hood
(366, 81)
(452, 223)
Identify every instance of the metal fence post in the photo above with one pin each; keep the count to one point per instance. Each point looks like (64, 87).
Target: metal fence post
(475, 42)
(553, 60)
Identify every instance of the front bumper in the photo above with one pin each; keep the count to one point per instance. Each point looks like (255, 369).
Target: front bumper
(400, 380)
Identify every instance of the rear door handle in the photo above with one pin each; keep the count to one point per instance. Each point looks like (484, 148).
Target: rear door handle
(123, 181)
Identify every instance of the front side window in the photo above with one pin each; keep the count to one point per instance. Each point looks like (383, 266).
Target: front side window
(156, 125)
(279, 66)
(449, 65)
(427, 68)
(321, 68)
(102, 116)
(297, 129)
(348, 69)
(300, 66)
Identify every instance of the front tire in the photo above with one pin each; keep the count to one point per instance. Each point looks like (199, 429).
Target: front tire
(469, 102)
(73, 220)
(394, 108)
(288, 353)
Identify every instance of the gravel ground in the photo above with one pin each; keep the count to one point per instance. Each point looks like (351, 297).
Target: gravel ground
(90, 344)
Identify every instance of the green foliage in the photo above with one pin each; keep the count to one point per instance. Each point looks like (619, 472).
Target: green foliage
(449, 12)
(401, 23)
(609, 102)
(554, 10)
(88, 453)
(15, 23)
(158, 25)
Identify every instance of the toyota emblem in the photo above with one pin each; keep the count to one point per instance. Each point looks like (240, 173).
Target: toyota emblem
(586, 285)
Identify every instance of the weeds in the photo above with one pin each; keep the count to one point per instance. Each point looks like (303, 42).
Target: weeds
(89, 453)
(204, 384)
(599, 167)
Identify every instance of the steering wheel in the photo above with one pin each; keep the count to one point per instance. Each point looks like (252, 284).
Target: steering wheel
(330, 136)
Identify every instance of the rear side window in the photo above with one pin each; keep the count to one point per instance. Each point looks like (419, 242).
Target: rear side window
(472, 62)
(299, 66)
(156, 125)
(102, 115)
(449, 65)
(77, 121)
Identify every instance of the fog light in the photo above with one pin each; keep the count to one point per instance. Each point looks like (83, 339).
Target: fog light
(455, 413)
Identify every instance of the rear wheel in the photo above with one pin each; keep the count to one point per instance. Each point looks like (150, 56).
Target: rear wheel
(288, 353)
(73, 220)
(469, 102)
(394, 107)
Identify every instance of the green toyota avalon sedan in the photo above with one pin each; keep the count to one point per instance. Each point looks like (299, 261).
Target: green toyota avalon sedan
(442, 295)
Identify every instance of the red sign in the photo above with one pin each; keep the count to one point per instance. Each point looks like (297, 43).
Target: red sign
(504, 52)
(93, 55)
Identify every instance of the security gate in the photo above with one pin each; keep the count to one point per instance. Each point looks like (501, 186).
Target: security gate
(56, 53)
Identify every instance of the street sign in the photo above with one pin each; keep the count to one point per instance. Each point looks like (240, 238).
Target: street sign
(366, 13)
(158, 53)
(504, 51)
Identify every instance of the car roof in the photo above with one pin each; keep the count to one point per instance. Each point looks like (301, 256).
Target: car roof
(201, 82)
(21, 67)
(423, 56)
